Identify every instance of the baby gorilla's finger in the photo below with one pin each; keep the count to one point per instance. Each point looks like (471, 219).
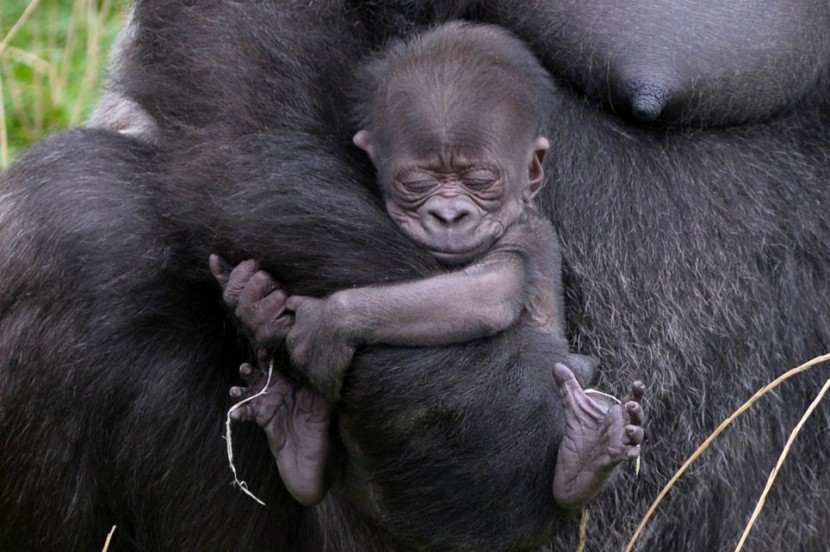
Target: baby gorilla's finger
(634, 412)
(274, 301)
(237, 281)
(295, 302)
(634, 434)
(279, 320)
(633, 453)
(220, 269)
(258, 286)
(563, 375)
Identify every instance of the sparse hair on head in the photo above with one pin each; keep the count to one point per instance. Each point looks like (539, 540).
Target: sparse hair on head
(458, 71)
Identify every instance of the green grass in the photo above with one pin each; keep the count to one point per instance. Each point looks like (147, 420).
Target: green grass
(53, 56)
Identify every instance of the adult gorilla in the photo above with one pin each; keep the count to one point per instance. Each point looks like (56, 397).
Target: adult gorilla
(698, 253)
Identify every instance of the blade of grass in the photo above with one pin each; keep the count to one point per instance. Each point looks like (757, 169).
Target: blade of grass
(36, 62)
(95, 22)
(51, 45)
(4, 138)
(720, 429)
(18, 25)
(774, 473)
(37, 79)
(65, 67)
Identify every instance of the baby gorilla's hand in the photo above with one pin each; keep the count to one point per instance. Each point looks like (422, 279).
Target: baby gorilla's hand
(255, 298)
(318, 344)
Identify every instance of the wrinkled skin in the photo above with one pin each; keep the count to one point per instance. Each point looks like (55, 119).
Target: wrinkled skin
(614, 433)
(296, 421)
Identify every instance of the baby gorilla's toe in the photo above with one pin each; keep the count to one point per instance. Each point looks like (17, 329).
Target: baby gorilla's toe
(636, 392)
(249, 374)
(634, 411)
(634, 435)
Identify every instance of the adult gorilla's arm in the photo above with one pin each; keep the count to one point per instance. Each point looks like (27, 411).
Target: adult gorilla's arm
(295, 193)
(107, 298)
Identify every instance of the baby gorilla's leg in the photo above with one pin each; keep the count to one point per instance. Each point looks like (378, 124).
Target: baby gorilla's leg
(296, 423)
(597, 438)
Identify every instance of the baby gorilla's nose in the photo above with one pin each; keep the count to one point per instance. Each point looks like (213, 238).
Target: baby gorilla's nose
(450, 213)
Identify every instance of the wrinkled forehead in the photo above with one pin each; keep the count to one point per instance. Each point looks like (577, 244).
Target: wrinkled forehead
(421, 126)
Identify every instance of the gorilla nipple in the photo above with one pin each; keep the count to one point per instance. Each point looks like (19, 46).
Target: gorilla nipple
(648, 99)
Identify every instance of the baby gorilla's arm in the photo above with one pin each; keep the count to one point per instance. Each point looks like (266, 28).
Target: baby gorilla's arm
(455, 307)
(597, 438)
(480, 300)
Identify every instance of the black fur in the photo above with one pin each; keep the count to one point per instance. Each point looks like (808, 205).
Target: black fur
(697, 260)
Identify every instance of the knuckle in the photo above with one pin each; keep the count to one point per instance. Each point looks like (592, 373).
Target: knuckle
(230, 296)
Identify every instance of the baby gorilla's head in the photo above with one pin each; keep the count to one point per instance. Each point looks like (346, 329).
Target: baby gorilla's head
(451, 122)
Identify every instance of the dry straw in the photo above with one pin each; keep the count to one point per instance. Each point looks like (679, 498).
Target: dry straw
(241, 484)
(780, 463)
(52, 94)
(583, 529)
(109, 539)
(720, 429)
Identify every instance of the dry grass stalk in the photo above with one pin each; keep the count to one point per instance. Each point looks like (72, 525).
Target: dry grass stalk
(720, 429)
(109, 538)
(62, 40)
(762, 500)
(241, 484)
(95, 16)
(30, 9)
(4, 135)
(583, 529)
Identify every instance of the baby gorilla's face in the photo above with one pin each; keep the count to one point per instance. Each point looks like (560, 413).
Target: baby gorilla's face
(456, 206)
(455, 194)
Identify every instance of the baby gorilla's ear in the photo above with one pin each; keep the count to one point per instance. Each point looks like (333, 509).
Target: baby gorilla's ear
(363, 140)
(535, 169)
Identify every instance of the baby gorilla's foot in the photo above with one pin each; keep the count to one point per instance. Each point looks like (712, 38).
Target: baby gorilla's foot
(296, 423)
(597, 438)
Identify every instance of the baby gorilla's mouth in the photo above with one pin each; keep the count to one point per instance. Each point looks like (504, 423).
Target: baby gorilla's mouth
(456, 256)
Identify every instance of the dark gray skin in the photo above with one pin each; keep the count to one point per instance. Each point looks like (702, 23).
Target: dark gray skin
(463, 190)
(699, 62)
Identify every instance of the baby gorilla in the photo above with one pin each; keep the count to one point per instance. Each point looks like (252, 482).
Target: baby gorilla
(452, 125)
